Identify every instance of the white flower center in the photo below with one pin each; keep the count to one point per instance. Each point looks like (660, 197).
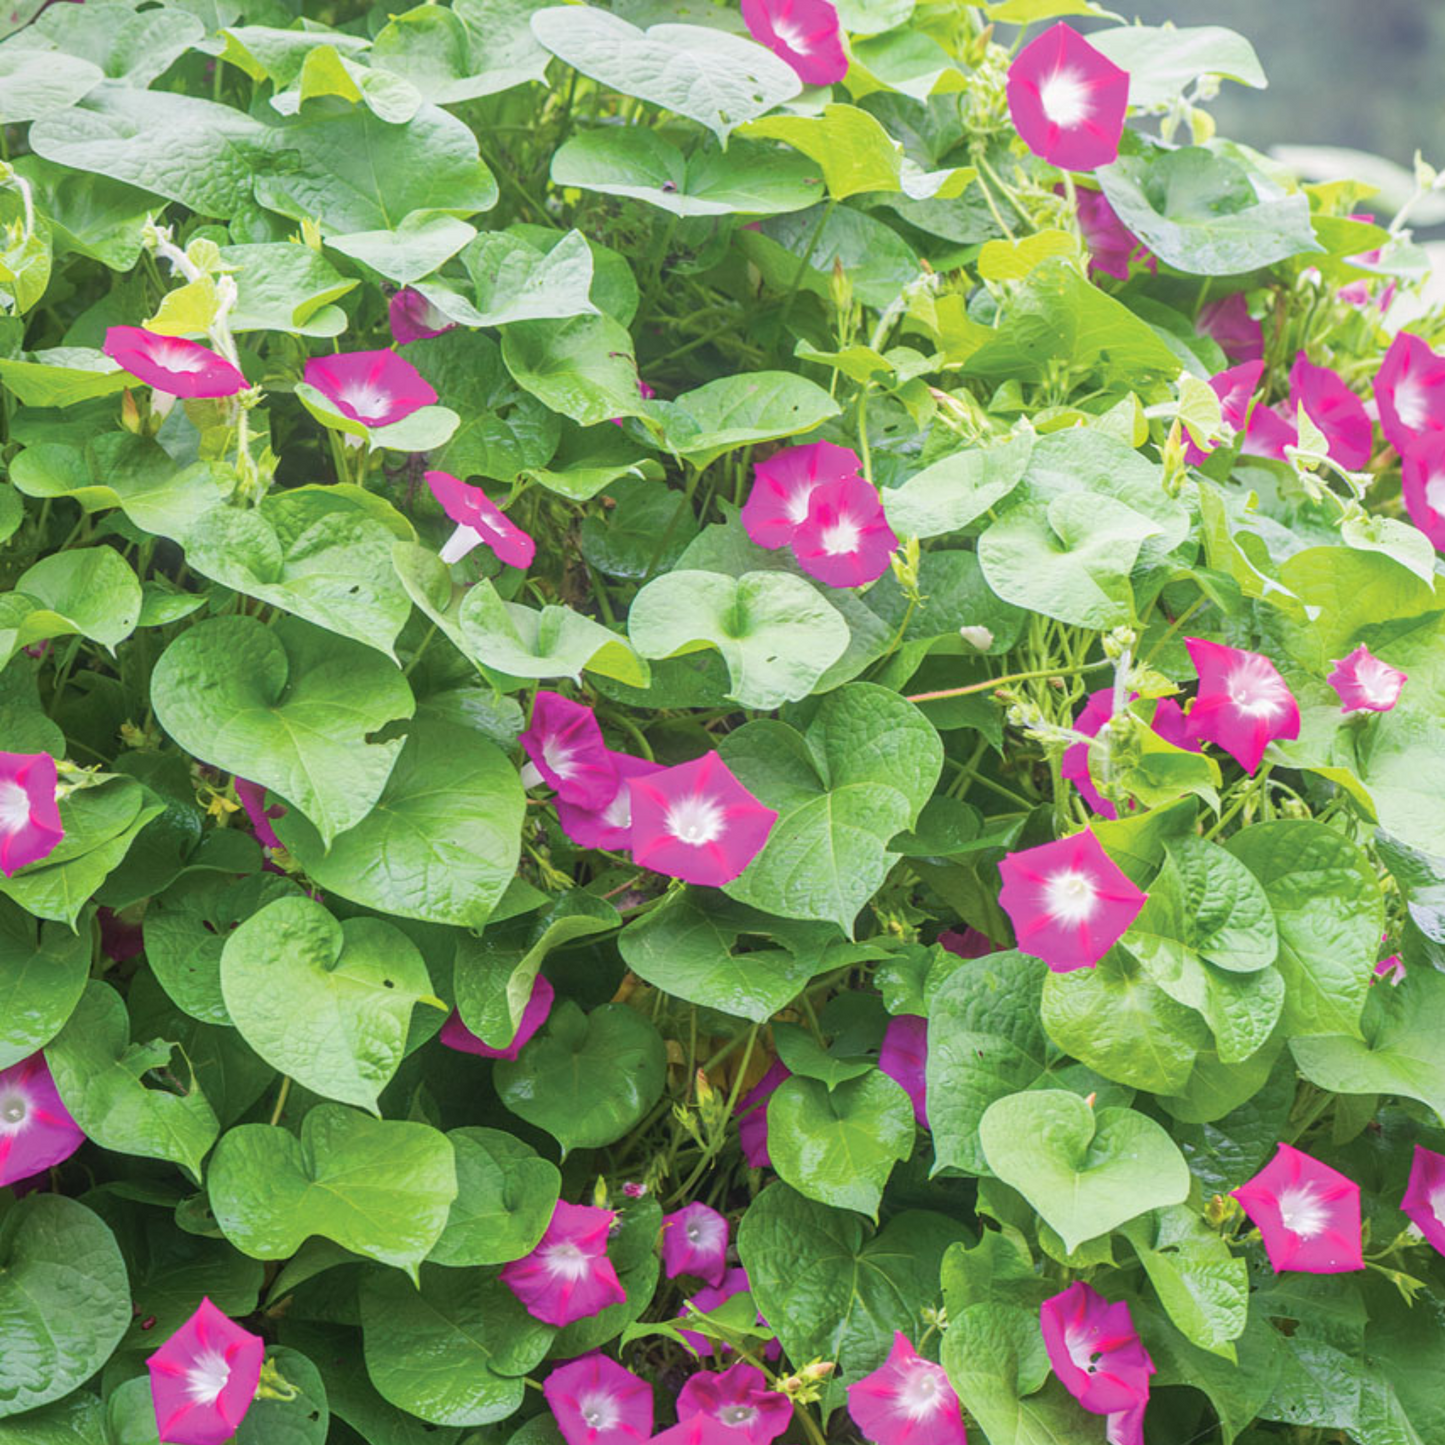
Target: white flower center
(695, 820)
(1435, 493)
(599, 1412)
(921, 1392)
(14, 1110)
(1303, 1212)
(738, 1414)
(618, 813)
(558, 756)
(796, 506)
(207, 1377)
(369, 402)
(1070, 896)
(1437, 1203)
(1065, 98)
(566, 1261)
(181, 359)
(792, 34)
(1080, 1345)
(1411, 405)
(701, 1232)
(842, 537)
(1376, 680)
(1254, 692)
(14, 807)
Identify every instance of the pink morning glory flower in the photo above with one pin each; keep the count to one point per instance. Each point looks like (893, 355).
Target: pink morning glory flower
(697, 822)
(596, 1402)
(1422, 483)
(1097, 1354)
(695, 1241)
(1168, 723)
(565, 745)
(253, 800)
(1365, 683)
(904, 1058)
(29, 815)
(907, 1400)
(1113, 247)
(1069, 902)
(1410, 392)
(740, 1399)
(778, 503)
(609, 826)
(1424, 1199)
(1068, 100)
(846, 540)
(1391, 969)
(1308, 1214)
(1243, 703)
(568, 1276)
(1228, 321)
(172, 364)
(376, 388)
(697, 1430)
(805, 33)
(735, 1281)
(414, 318)
(456, 1035)
(480, 523)
(36, 1130)
(204, 1378)
(968, 944)
(1335, 409)
(1266, 432)
(753, 1116)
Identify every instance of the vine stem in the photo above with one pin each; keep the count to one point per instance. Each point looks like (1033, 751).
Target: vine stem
(1008, 677)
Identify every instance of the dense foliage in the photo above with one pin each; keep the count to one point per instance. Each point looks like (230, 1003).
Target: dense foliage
(669, 661)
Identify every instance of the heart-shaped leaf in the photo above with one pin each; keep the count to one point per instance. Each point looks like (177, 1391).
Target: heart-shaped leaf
(43, 969)
(505, 1196)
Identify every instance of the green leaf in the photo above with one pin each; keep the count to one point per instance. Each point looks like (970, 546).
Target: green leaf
(505, 1197)
(502, 43)
(514, 280)
(64, 1302)
(421, 243)
(776, 634)
(472, 50)
(281, 287)
(378, 1187)
(136, 46)
(800, 250)
(839, 1145)
(63, 376)
(327, 1003)
(38, 82)
(646, 528)
(78, 1419)
(1086, 1171)
(585, 1078)
(958, 489)
(289, 707)
(734, 411)
(716, 79)
(1164, 61)
(90, 590)
(101, 1078)
(43, 969)
(581, 367)
(1407, 798)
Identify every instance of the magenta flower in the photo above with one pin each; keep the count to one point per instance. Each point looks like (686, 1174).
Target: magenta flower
(907, 1400)
(565, 745)
(1074, 767)
(609, 826)
(1228, 321)
(568, 1276)
(480, 523)
(697, 822)
(29, 815)
(456, 1035)
(695, 1241)
(1422, 483)
(596, 1402)
(778, 503)
(36, 1130)
(1392, 969)
(735, 1281)
(1097, 1354)
(740, 1399)
(1335, 409)
(1243, 703)
(1170, 723)
(1308, 1214)
(253, 800)
(1069, 902)
(1365, 683)
(696, 1430)
(904, 1058)
(968, 944)
(1113, 247)
(1068, 100)
(1410, 392)
(204, 1378)
(846, 540)
(414, 318)
(805, 33)
(375, 388)
(172, 364)
(1424, 1199)
(753, 1116)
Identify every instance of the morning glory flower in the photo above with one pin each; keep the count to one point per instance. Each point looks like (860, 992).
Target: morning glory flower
(172, 364)
(1068, 100)
(1307, 1213)
(907, 1400)
(904, 1058)
(596, 1402)
(376, 388)
(1364, 683)
(805, 33)
(735, 1281)
(568, 1276)
(413, 318)
(695, 1241)
(1410, 392)
(1168, 723)
(1113, 247)
(609, 826)
(204, 1378)
(456, 1035)
(846, 540)
(1422, 483)
(30, 827)
(480, 523)
(739, 1398)
(1243, 703)
(697, 822)
(1069, 902)
(1266, 432)
(565, 745)
(697, 1429)
(36, 1130)
(1334, 409)
(1391, 969)
(1228, 321)
(1097, 1354)
(253, 800)
(1424, 1199)
(753, 1116)
(778, 503)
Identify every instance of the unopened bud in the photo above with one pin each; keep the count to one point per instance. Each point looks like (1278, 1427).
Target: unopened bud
(979, 637)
